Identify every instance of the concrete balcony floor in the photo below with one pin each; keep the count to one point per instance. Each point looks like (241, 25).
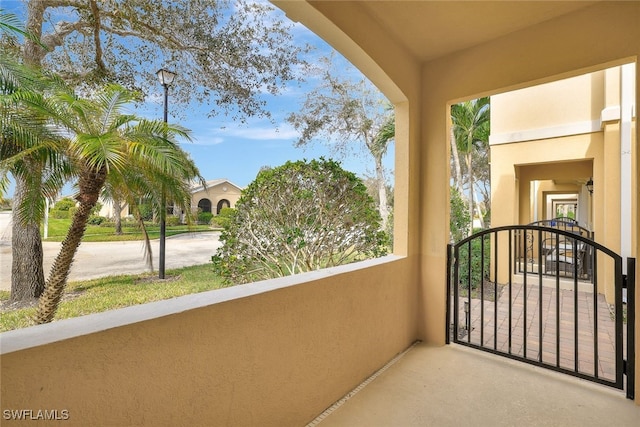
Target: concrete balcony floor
(457, 386)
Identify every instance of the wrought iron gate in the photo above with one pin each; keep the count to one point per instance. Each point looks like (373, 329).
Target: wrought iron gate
(544, 296)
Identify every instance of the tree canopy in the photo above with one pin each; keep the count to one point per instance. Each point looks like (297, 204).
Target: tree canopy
(470, 137)
(227, 53)
(345, 113)
(299, 217)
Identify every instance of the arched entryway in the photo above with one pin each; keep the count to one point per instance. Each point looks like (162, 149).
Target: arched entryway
(224, 203)
(204, 205)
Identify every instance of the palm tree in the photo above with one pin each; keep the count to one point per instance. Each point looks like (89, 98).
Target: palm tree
(36, 164)
(470, 128)
(102, 141)
(378, 148)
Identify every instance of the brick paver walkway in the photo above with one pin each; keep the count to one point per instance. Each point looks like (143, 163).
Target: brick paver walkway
(537, 340)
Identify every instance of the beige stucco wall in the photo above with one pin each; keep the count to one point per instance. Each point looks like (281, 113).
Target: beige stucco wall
(567, 101)
(272, 353)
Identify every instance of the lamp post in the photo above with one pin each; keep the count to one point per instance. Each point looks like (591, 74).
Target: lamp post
(166, 78)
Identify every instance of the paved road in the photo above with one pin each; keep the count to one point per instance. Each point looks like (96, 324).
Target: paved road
(101, 259)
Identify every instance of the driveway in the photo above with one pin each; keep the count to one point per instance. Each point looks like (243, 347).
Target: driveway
(99, 259)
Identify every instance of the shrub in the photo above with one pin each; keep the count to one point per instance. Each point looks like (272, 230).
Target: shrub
(223, 219)
(59, 214)
(96, 220)
(301, 216)
(64, 204)
(459, 218)
(476, 262)
(204, 217)
(146, 212)
(172, 221)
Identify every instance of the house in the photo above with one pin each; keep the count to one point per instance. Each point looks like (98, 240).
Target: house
(215, 195)
(279, 352)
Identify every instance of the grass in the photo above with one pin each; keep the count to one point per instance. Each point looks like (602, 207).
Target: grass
(108, 293)
(94, 233)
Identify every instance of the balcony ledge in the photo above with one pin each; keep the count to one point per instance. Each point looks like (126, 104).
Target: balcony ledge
(65, 329)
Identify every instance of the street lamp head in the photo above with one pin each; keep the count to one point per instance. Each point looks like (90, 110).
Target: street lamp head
(165, 76)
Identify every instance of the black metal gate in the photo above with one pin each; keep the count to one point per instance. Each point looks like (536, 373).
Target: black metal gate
(545, 296)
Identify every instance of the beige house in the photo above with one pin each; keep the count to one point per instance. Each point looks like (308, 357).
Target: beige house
(280, 352)
(214, 196)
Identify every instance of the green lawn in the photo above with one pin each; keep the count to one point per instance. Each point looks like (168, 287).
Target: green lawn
(94, 296)
(94, 233)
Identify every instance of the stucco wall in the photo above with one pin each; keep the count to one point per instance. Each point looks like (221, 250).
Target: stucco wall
(272, 353)
(561, 103)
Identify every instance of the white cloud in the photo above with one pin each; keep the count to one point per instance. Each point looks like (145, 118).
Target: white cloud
(263, 133)
(206, 140)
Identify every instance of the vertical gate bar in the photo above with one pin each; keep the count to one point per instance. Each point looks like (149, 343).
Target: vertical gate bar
(524, 305)
(456, 293)
(596, 352)
(482, 290)
(618, 324)
(447, 314)
(495, 290)
(511, 264)
(557, 310)
(594, 270)
(467, 314)
(574, 248)
(631, 327)
(540, 295)
(517, 254)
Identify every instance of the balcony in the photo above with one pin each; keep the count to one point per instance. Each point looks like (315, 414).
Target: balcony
(279, 353)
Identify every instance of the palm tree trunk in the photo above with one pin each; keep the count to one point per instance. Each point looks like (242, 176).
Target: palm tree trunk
(456, 163)
(471, 201)
(27, 272)
(90, 185)
(117, 213)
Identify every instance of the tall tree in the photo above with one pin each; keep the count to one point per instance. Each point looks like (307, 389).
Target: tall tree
(342, 113)
(228, 53)
(38, 170)
(102, 140)
(470, 121)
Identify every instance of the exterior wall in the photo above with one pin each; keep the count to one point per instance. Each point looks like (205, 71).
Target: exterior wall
(273, 353)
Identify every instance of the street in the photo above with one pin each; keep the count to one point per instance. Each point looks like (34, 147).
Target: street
(99, 259)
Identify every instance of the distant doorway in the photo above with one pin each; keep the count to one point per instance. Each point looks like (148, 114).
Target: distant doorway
(224, 203)
(204, 205)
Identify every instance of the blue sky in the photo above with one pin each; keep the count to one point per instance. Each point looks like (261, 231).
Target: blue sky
(222, 148)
